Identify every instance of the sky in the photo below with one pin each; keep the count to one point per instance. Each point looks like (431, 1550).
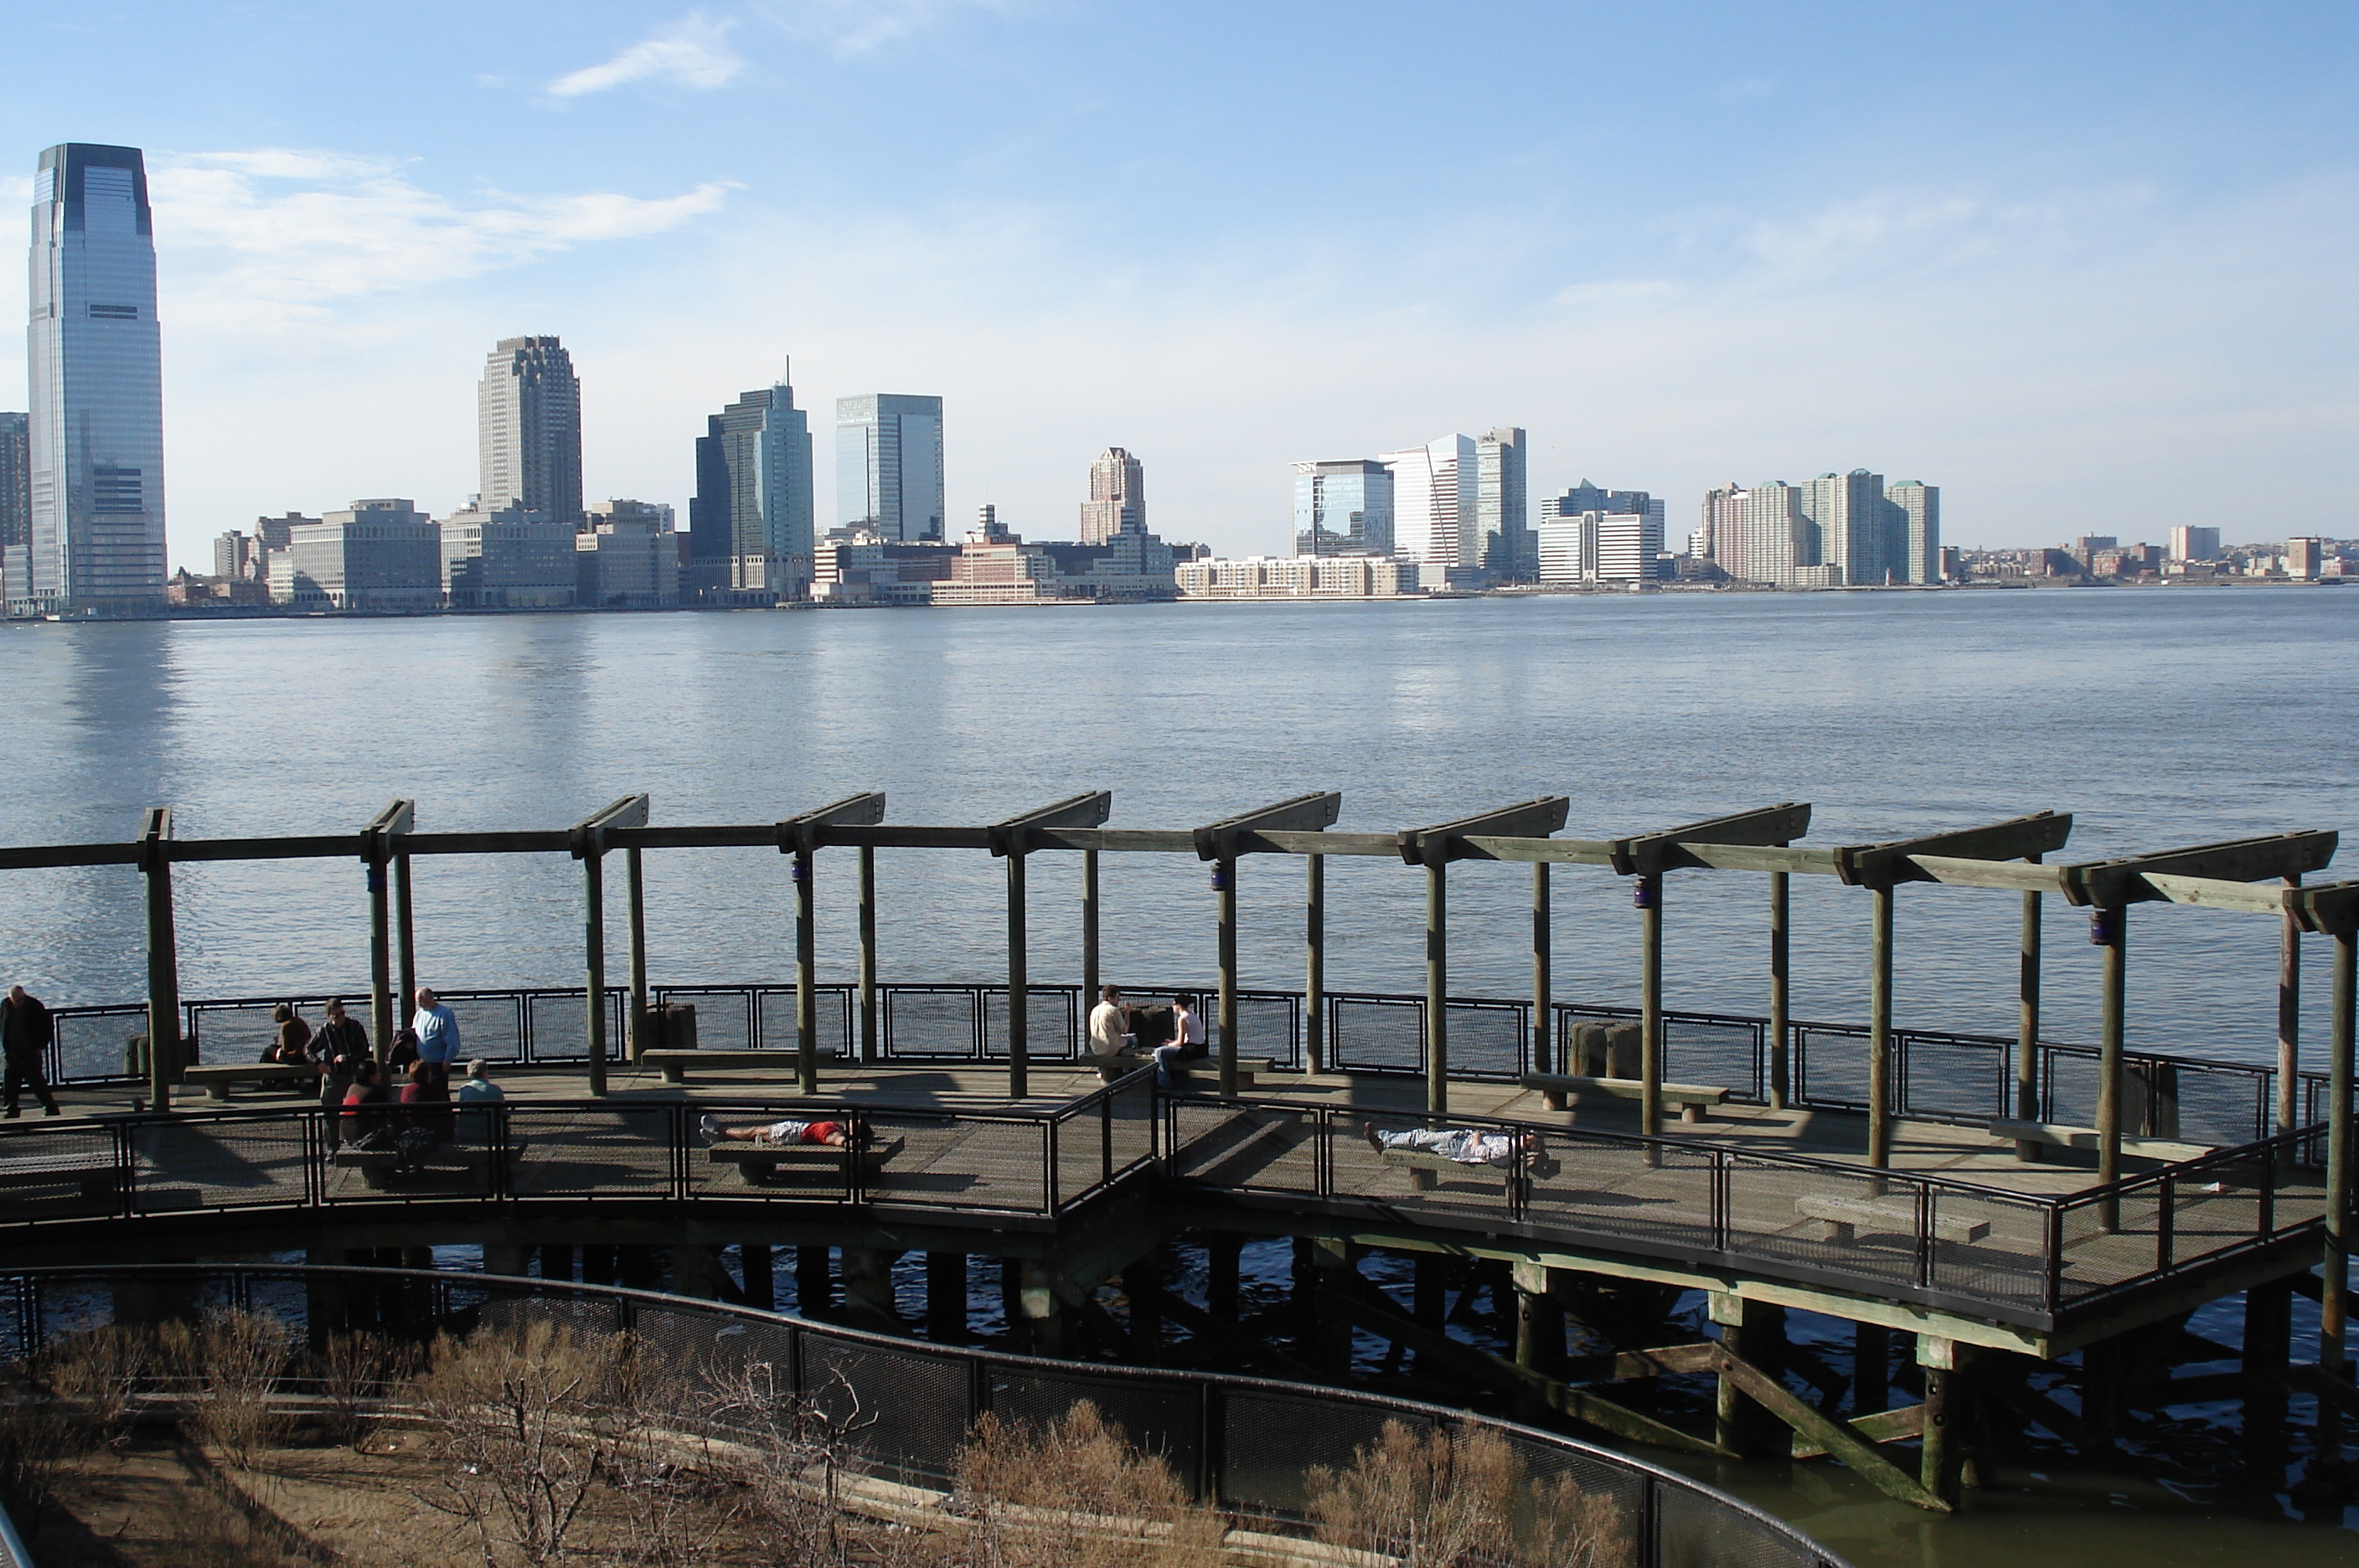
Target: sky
(2086, 267)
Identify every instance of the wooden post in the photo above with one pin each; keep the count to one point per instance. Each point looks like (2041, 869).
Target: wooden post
(1019, 1081)
(163, 961)
(1543, 1012)
(1650, 895)
(868, 1285)
(1943, 1362)
(2334, 1297)
(1871, 1375)
(814, 1292)
(1224, 885)
(753, 1258)
(635, 896)
(381, 1013)
(946, 1297)
(1314, 962)
(1221, 1276)
(2289, 1016)
(1781, 1073)
(806, 974)
(2109, 927)
(1879, 1027)
(593, 934)
(405, 938)
(1044, 1314)
(1731, 1430)
(1089, 930)
(868, 1048)
(2027, 1030)
(1437, 989)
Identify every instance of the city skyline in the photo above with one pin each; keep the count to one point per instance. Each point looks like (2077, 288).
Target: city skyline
(2034, 284)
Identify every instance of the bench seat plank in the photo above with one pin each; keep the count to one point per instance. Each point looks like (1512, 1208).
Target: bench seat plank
(1893, 1214)
(1691, 1099)
(216, 1077)
(2056, 1136)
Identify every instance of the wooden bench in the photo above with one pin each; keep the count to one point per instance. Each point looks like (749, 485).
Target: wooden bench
(674, 1064)
(96, 1178)
(1844, 1215)
(797, 1164)
(2022, 1133)
(1691, 1099)
(380, 1166)
(216, 1077)
(1425, 1167)
(1249, 1068)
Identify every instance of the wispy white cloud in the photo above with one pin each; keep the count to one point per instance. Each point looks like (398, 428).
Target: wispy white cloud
(693, 52)
(849, 27)
(276, 235)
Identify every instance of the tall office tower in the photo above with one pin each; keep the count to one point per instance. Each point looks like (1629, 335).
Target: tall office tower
(529, 426)
(1433, 512)
(1913, 515)
(1723, 529)
(95, 432)
(15, 481)
(1628, 545)
(1855, 537)
(754, 482)
(1502, 505)
(888, 465)
(2186, 543)
(1118, 503)
(1344, 509)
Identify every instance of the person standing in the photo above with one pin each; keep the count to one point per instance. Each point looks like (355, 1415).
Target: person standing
(1109, 1025)
(342, 1045)
(437, 1028)
(26, 1032)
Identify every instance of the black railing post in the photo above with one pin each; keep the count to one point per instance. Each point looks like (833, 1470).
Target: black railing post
(2166, 1192)
(1926, 1218)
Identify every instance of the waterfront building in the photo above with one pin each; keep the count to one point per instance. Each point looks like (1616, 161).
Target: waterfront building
(627, 557)
(2304, 558)
(1600, 547)
(1567, 547)
(378, 555)
(2193, 543)
(1501, 542)
(889, 466)
(234, 555)
(1855, 535)
(1432, 511)
(1297, 577)
(1913, 526)
(1585, 499)
(505, 558)
(1344, 509)
(1724, 530)
(750, 523)
(94, 434)
(1117, 502)
(528, 428)
(1781, 538)
(16, 506)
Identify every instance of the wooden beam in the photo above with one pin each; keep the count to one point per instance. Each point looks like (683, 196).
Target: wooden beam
(1650, 855)
(1885, 1426)
(1439, 845)
(2329, 908)
(1869, 865)
(1013, 835)
(1233, 836)
(803, 834)
(1535, 850)
(587, 838)
(2112, 883)
(886, 836)
(2211, 893)
(1115, 841)
(1835, 1437)
(2010, 876)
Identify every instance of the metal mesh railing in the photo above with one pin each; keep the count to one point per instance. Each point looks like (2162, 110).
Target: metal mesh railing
(1244, 1445)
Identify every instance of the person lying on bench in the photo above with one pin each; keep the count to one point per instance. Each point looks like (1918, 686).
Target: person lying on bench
(1466, 1146)
(835, 1135)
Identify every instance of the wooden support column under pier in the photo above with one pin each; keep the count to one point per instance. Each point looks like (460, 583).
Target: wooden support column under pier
(1044, 1316)
(1949, 1416)
(1220, 1251)
(868, 1287)
(757, 1263)
(1871, 1378)
(946, 1297)
(1314, 962)
(815, 1288)
(163, 960)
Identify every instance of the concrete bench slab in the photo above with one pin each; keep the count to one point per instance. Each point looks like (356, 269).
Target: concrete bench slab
(2055, 1136)
(215, 1078)
(380, 1166)
(1844, 1215)
(96, 1178)
(674, 1064)
(762, 1164)
(1554, 1088)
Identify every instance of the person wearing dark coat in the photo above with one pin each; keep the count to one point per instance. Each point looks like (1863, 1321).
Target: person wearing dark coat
(26, 1032)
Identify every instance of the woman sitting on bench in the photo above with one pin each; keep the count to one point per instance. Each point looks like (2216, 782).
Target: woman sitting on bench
(1466, 1146)
(835, 1135)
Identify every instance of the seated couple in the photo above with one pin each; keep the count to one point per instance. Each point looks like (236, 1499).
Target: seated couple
(834, 1135)
(1112, 1033)
(1464, 1146)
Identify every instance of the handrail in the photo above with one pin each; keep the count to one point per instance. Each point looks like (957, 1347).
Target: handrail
(1202, 1416)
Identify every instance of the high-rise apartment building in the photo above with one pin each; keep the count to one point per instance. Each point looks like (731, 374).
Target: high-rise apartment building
(528, 427)
(1344, 509)
(95, 430)
(1434, 489)
(1855, 536)
(1724, 530)
(1913, 522)
(1782, 537)
(1117, 502)
(2189, 543)
(15, 481)
(752, 496)
(888, 465)
(1502, 544)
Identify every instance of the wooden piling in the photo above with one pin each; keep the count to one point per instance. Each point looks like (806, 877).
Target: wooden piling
(2267, 1347)
(1871, 1377)
(1221, 1277)
(163, 961)
(814, 1289)
(1879, 1027)
(599, 1265)
(868, 1041)
(1543, 1011)
(2027, 1030)
(1224, 891)
(2335, 1296)
(1089, 929)
(1314, 962)
(593, 936)
(1948, 1416)
(2289, 1016)
(635, 900)
(1437, 988)
(1732, 1430)
(1781, 1075)
(754, 1259)
(1142, 1284)
(2115, 943)
(1649, 893)
(868, 1286)
(1044, 1316)
(1011, 1304)
(946, 1297)
(405, 940)
(806, 973)
(1019, 1078)
(1330, 1332)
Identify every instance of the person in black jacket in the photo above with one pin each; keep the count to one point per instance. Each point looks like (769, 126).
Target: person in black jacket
(340, 1046)
(26, 1030)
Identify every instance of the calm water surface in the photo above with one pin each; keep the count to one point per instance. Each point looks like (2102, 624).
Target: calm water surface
(2157, 717)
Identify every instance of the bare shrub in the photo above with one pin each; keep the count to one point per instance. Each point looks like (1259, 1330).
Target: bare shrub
(95, 1373)
(1432, 1502)
(353, 1372)
(793, 1459)
(235, 1359)
(1077, 1494)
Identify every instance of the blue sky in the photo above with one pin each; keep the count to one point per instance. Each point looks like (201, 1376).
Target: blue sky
(2087, 266)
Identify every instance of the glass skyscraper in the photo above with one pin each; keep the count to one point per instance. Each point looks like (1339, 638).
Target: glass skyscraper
(529, 422)
(888, 465)
(1343, 509)
(95, 430)
(754, 480)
